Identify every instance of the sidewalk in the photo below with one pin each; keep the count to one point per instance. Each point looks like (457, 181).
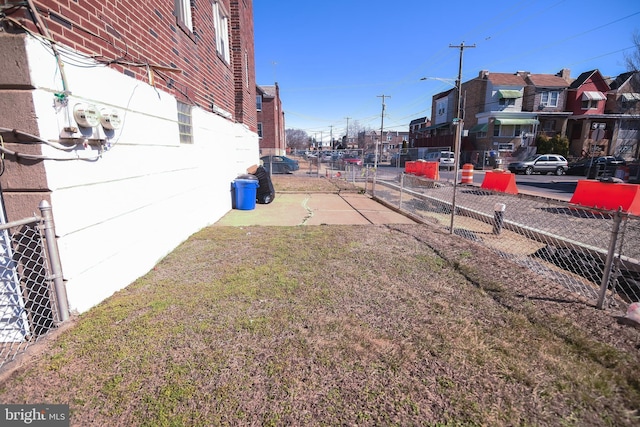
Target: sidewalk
(290, 209)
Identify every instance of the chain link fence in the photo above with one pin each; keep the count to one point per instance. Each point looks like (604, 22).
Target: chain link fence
(33, 299)
(593, 253)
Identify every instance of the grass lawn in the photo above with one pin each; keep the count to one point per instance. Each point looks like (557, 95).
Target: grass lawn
(337, 325)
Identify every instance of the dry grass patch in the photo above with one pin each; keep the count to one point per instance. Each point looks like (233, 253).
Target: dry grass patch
(336, 325)
(311, 183)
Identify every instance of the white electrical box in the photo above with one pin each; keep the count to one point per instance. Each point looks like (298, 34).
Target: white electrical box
(86, 115)
(110, 118)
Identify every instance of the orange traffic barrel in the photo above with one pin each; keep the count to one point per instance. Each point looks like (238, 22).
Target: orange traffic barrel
(467, 173)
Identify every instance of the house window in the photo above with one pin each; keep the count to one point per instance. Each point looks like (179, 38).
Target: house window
(507, 130)
(221, 27)
(549, 125)
(505, 102)
(630, 100)
(589, 104)
(185, 128)
(549, 99)
(259, 102)
(260, 129)
(183, 14)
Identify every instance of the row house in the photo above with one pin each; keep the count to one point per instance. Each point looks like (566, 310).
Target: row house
(605, 115)
(504, 113)
(271, 128)
(131, 121)
(590, 129)
(623, 104)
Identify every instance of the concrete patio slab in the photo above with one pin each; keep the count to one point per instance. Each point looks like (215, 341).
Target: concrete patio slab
(289, 209)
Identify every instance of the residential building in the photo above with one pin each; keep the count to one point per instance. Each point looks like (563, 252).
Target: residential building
(623, 105)
(589, 130)
(499, 122)
(441, 131)
(417, 130)
(131, 120)
(391, 141)
(546, 94)
(502, 114)
(271, 128)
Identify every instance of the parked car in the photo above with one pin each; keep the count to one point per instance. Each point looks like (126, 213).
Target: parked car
(541, 163)
(370, 159)
(349, 159)
(446, 159)
(280, 164)
(593, 167)
(326, 157)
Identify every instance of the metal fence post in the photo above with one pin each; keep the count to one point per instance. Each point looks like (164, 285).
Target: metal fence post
(606, 274)
(401, 188)
(54, 260)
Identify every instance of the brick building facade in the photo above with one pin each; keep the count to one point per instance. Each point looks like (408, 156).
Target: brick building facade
(271, 128)
(134, 117)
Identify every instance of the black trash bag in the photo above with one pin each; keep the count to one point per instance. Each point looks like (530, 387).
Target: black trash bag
(265, 193)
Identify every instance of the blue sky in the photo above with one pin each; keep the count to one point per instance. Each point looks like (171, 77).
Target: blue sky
(334, 59)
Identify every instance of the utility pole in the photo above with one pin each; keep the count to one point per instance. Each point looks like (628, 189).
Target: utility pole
(331, 136)
(347, 131)
(375, 158)
(459, 123)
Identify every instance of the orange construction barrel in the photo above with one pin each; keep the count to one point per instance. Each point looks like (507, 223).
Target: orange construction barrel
(467, 174)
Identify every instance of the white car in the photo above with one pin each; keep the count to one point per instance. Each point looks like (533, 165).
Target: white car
(445, 158)
(541, 163)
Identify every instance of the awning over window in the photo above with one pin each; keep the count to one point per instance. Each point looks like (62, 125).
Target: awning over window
(509, 94)
(516, 122)
(593, 96)
(479, 128)
(630, 97)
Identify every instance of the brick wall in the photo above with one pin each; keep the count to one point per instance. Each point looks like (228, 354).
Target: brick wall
(474, 93)
(272, 119)
(243, 58)
(129, 35)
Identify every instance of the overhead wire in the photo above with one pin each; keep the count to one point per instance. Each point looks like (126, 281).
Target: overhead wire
(515, 10)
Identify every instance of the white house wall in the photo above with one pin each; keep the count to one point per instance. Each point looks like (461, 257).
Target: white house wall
(118, 215)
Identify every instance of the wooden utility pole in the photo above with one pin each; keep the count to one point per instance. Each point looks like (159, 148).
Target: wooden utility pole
(459, 123)
(375, 158)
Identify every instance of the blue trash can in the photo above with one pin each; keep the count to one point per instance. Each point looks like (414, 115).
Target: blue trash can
(245, 193)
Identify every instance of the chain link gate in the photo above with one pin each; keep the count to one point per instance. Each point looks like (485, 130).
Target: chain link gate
(33, 298)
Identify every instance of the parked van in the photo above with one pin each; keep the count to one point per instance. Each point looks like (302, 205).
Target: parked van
(445, 158)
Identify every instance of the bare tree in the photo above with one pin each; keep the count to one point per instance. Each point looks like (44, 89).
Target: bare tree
(297, 139)
(633, 59)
